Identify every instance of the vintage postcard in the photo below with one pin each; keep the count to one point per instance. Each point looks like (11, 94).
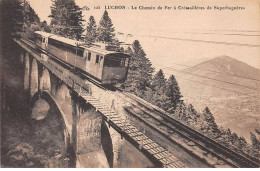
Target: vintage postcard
(130, 83)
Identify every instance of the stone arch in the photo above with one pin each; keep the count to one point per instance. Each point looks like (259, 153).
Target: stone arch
(34, 78)
(64, 100)
(45, 81)
(54, 84)
(27, 72)
(116, 141)
(55, 107)
(107, 145)
(54, 115)
(63, 92)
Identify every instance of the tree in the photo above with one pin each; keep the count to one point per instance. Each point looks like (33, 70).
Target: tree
(45, 27)
(12, 18)
(31, 29)
(66, 18)
(91, 34)
(30, 15)
(106, 29)
(158, 86)
(140, 71)
(32, 21)
(228, 132)
(257, 131)
(209, 118)
(159, 81)
(241, 142)
(234, 138)
(149, 95)
(172, 92)
(192, 114)
(255, 142)
(180, 111)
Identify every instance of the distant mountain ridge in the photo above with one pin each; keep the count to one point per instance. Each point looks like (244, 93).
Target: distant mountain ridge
(226, 64)
(224, 72)
(228, 107)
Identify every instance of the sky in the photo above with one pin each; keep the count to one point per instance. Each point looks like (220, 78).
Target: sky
(180, 36)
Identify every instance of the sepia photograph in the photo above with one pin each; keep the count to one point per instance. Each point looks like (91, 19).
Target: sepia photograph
(130, 84)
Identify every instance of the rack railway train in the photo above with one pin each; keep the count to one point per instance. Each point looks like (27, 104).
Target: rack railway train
(97, 60)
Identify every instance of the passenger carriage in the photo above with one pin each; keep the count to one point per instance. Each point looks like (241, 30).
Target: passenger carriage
(98, 61)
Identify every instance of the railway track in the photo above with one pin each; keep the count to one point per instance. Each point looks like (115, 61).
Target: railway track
(190, 140)
(214, 153)
(159, 156)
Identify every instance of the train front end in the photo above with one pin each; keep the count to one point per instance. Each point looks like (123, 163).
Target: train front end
(115, 68)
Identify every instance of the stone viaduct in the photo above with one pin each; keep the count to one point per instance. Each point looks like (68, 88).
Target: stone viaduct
(90, 140)
(96, 128)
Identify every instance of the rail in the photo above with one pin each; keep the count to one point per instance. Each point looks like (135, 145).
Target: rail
(216, 148)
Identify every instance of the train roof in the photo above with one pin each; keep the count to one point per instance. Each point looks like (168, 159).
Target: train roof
(66, 40)
(45, 34)
(59, 38)
(100, 50)
(97, 47)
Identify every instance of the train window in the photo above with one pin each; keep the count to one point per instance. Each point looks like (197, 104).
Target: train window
(53, 42)
(71, 49)
(112, 62)
(116, 60)
(97, 59)
(50, 41)
(63, 46)
(80, 52)
(89, 56)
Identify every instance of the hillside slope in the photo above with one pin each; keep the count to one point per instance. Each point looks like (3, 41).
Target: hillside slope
(233, 106)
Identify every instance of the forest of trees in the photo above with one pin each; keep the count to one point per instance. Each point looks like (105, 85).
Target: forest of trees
(67, 20)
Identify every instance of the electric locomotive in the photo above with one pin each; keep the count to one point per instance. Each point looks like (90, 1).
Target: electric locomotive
(97, 60)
